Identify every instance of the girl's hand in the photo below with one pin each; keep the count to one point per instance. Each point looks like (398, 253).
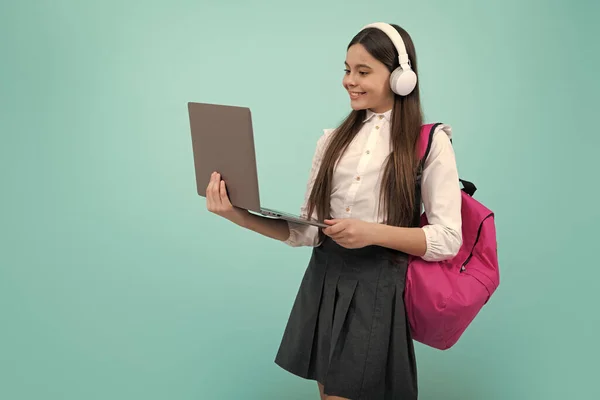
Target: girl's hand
(218, 202)
(350, 233)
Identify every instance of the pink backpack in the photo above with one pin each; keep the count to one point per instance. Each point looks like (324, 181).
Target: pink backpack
(442, 298)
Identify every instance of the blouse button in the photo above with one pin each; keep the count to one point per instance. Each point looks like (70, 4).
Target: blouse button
(377, 127)
(368, 151)
(358, 178)
(381, 117)
(347, 209)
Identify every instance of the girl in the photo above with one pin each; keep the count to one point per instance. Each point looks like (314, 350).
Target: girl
(348, 328)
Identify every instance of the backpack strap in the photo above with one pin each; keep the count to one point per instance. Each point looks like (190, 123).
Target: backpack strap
(423, 147)
(425, 140)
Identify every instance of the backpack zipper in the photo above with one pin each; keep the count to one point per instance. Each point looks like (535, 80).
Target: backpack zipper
(464, 265)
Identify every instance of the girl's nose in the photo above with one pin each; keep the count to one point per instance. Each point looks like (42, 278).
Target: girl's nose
(349, 80)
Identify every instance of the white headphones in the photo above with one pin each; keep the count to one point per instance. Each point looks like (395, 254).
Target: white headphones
(403, 79)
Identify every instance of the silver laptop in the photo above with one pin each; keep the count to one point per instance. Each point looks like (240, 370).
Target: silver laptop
(223, 141)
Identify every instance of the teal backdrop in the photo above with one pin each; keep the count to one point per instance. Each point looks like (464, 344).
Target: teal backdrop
(115, 281)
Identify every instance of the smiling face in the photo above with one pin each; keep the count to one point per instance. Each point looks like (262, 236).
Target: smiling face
(367, 81)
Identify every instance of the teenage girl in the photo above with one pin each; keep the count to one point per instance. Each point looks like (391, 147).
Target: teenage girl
(348, 328)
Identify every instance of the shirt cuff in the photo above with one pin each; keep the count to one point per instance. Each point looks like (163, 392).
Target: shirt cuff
(302, 235)
(443, 243)
(292, 240)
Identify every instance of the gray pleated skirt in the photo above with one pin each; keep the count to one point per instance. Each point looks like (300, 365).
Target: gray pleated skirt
(348, 329)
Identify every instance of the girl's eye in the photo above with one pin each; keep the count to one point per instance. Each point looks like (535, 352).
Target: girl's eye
(363, 73)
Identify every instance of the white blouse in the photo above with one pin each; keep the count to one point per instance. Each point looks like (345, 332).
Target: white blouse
(356, 187)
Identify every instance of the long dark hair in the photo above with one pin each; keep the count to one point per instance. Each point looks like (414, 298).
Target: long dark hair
(397, 195)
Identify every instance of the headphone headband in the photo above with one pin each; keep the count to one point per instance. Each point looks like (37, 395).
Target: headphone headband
(396, 39)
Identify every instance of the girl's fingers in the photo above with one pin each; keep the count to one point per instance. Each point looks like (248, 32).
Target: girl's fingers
(223, 194)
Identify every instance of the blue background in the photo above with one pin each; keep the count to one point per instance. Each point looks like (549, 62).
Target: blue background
(115, 281)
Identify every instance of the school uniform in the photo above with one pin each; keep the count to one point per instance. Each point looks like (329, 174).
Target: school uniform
(348, 328)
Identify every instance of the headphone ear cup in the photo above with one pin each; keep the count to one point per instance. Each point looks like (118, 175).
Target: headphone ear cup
(403, 82)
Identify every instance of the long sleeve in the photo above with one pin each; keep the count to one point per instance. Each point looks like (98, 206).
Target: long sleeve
(442, 201)
(301, 234)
